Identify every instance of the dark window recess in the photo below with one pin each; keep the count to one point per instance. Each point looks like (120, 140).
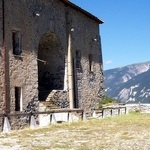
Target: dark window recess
(78, 59)
(17, 98)
(16, 43)
(91, 63)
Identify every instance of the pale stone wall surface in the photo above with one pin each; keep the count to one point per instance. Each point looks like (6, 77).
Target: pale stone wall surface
(55, 17)
(89, 84)
(143, 108)
(1, 61)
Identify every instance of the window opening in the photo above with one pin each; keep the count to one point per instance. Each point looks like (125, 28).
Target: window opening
(91, 63)
(78, 59)
(18, 99)
(16, 43)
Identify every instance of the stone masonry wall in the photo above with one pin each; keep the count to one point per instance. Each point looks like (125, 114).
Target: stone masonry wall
(55, 100)
(54, 17)
(22, 68)
(89, 84)
(20, 17)
(1, 66)
(1, 62)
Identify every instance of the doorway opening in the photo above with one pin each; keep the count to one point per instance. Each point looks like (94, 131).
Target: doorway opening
(51, 71)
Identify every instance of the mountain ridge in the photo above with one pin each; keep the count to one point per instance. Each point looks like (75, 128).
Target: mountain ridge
(129, 83)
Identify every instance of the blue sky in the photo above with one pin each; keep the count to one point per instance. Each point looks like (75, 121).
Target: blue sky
(125, 33)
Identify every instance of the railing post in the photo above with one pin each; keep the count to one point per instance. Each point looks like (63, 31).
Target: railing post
(70, 117)
(118, 111)
(84, 116)
(6, 125)
(104, 113)
(53, 119)
(111, 112)
(94, 114)
(32, 122)
(125, 110)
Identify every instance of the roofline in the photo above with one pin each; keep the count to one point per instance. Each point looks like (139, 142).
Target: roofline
(67, 2)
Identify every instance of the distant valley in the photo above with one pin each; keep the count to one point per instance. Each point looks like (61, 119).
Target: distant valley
(129, 84)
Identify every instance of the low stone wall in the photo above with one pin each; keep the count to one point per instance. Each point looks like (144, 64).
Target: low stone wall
(40, 119)
(14, 123)
(143, 108)
(19, 122)
(109, 111)
(47, 119)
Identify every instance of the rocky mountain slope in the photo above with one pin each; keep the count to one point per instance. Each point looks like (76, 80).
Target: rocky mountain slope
(130, 84)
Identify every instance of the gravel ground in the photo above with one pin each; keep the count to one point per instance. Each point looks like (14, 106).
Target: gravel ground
(127, 132)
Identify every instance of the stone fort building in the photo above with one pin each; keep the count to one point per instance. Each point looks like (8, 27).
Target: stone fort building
(50, 50)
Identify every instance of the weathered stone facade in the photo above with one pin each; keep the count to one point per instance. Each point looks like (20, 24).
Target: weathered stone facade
(43, 28)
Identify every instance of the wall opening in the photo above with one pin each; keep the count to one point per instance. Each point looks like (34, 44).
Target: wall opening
(51, 73)
(75, 88)
(91, 68)
(18, 99)
(78, 60)
(16, 43)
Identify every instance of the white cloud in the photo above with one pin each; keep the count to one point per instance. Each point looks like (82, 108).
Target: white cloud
(108, 62)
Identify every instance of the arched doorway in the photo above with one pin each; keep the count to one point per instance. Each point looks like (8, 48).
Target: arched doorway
(51, 65)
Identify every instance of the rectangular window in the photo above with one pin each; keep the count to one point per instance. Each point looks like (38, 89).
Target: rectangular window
(78, 59)
(18, 99)
(91, 63)
(16, 42)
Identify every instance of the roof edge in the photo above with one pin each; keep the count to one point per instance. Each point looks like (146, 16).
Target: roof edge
(67, 2)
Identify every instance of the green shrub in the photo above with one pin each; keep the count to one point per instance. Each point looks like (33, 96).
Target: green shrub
(105, 101)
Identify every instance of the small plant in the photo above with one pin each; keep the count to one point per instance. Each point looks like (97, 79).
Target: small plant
(106, 101)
